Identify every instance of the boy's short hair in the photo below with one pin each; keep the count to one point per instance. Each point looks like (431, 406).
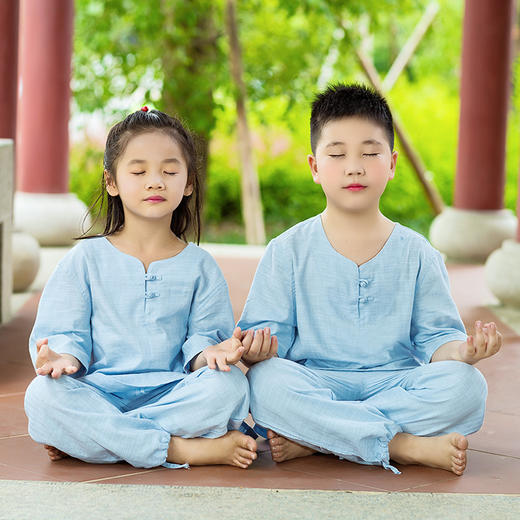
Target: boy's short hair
(340, 100)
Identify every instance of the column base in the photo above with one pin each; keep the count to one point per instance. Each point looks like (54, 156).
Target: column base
(503, 273)
(470, 235)
(54, 219)
(26, 261)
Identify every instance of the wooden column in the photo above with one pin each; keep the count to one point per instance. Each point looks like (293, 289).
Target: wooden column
(478, 224)
(43, 206)
(8, 67)
(44, 98)
(484, 91)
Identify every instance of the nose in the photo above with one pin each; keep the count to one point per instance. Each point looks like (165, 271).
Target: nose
(354, 168)
(154, 181)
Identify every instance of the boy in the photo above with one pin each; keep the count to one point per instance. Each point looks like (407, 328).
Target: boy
(373, 361)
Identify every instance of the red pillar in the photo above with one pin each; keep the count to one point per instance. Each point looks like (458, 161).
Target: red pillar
(486, 59)
(8, 67)
(45, 67)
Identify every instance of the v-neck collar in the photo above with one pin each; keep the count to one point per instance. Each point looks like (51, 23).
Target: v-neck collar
(134, 258)
(380, 253)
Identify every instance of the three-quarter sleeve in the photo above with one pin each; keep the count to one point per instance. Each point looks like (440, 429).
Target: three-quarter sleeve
(270, 302)
(435, 318)
(211, 317)
(64, 313)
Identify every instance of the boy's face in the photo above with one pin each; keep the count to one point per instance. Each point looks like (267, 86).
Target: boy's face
(353, 163)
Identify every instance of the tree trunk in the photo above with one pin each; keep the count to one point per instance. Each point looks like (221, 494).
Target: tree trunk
(251, 201)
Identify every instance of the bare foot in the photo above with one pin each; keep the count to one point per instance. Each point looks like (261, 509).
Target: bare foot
(54, 453)
(234, 448)
(285, 449)
(445, 451)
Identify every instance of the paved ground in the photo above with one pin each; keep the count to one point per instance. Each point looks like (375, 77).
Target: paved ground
(494, 455)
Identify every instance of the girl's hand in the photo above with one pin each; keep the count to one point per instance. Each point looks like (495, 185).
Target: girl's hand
(485, 343)
(50, 363)
(224, 354)
(259, 346)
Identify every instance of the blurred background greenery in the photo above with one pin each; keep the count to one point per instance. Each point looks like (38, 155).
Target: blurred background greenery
(173, 55)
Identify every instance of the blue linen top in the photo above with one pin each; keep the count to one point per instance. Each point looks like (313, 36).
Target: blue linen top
(127, 327)
(392, 312)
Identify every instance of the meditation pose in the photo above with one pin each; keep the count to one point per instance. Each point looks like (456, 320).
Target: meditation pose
(373, 362)
(134, 322)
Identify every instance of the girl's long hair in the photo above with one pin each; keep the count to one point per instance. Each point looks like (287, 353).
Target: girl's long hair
(186, 217)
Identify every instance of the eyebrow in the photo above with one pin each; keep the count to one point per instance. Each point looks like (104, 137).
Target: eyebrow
(141, 161)
(372, 141)
(366, 141)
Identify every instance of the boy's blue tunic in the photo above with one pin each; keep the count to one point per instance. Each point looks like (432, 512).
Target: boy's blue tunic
(361, 328)
(135, 334)
(390, 313)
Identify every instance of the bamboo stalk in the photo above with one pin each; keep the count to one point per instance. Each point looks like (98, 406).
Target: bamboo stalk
(432, 194)
(409, 47)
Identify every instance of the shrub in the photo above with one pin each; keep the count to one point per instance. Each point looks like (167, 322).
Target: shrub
(428, 109)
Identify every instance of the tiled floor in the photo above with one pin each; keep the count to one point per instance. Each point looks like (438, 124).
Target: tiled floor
(494, 456)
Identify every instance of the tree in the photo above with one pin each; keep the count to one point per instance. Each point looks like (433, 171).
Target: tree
(174, 54)
(165, 51)
(251, 202)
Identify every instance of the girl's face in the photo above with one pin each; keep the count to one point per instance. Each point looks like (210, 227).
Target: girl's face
(151, 177)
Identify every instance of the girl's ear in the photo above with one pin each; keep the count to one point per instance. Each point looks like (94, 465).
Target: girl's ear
(188, 190)
(110, 185)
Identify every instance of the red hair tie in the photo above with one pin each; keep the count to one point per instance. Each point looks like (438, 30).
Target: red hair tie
(144, 109)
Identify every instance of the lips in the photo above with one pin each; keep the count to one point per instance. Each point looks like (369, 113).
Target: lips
(155, 198)
(355, 187)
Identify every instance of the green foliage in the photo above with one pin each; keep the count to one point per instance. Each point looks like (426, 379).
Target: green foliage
(128, 53)
(512, 144)
(174, 53)
(127, 50)
(86, 171)
(288, 193)
(429, 112)
(111, 54)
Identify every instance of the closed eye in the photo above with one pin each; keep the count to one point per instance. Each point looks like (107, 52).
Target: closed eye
(171, 173)
(337, 155)
(137, 173)
(370, 154)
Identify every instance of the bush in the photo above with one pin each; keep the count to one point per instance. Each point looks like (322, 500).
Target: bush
(86, 170)
(429, 111)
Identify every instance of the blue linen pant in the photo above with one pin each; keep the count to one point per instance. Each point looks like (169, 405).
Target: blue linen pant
(135, 426)
(355, 414)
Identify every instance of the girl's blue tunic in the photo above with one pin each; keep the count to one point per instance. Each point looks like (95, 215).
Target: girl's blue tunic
(130, 328)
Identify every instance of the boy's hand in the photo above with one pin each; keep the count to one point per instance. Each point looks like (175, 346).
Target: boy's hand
(484, 343)
(221, 355)
(50, 363)
(259, 346)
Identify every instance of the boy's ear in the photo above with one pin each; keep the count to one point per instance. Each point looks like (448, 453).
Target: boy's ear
(313, 165)
(110, 185)
(393, 162)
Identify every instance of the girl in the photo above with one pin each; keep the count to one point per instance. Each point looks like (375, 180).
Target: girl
(135, 322)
